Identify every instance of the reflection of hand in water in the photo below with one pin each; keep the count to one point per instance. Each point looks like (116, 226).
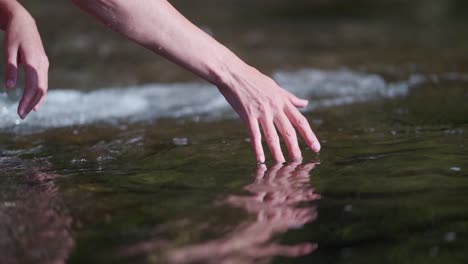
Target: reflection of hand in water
(275, 194)
(34, 227)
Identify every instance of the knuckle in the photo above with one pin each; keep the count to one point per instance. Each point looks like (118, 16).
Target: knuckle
(272, 139)
(261, 108)
(289, 133)
(255, 109)
(302, 121)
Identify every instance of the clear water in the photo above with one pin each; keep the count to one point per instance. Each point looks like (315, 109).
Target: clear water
(163, 173)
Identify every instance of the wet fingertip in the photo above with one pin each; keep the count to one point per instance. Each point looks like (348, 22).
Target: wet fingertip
(296, 159)
(261, 160)
(316, 146)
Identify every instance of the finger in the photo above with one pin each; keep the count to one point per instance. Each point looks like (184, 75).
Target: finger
(296, 101)
(301, 123)
(37, 98)
(29, 93)
(11, 73)
(272, 140)
(39, 103)
(256, 139)
(43, 84)
(260, 172)
(289, 135)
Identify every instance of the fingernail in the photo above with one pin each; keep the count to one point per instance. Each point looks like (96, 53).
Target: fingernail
(316, 146)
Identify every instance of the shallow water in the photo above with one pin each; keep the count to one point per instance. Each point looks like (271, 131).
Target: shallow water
(143, 171)
(389, 184)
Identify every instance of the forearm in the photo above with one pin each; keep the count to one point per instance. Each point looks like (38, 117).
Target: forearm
(158, 26)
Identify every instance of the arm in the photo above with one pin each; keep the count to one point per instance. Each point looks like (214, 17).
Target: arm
(258, 100)
(22, 44)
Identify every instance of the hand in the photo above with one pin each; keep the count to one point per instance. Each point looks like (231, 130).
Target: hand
(23, 46)
(259, 101)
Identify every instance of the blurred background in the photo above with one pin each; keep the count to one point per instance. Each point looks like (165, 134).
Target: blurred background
(368, 35)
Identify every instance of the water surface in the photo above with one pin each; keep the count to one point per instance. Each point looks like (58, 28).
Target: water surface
(132, 161)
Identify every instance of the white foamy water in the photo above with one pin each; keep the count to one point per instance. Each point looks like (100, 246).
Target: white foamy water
(194, 100)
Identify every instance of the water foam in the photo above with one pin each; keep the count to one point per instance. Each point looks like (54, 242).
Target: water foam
(194, 100)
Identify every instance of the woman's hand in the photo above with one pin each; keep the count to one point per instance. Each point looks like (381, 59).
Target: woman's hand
(260, 102)
(23, 45)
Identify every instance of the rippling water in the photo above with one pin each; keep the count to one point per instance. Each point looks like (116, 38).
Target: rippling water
(390, 181)
(195, 100)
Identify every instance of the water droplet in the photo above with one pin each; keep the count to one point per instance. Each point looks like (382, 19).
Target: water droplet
(180, 141)
(455, 168)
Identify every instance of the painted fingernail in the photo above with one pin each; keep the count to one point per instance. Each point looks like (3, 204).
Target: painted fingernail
(316, 146)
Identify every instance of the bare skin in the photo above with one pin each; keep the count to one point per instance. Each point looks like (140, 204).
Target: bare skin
(23, 45)
(158, 26)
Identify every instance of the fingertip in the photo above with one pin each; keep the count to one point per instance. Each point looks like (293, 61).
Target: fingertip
(22, 115)
(302, 103)
(296, 159)
(298, 102)
(260, 159)
(316, 146)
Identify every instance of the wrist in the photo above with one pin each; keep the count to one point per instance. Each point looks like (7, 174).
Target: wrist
(226, 73)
